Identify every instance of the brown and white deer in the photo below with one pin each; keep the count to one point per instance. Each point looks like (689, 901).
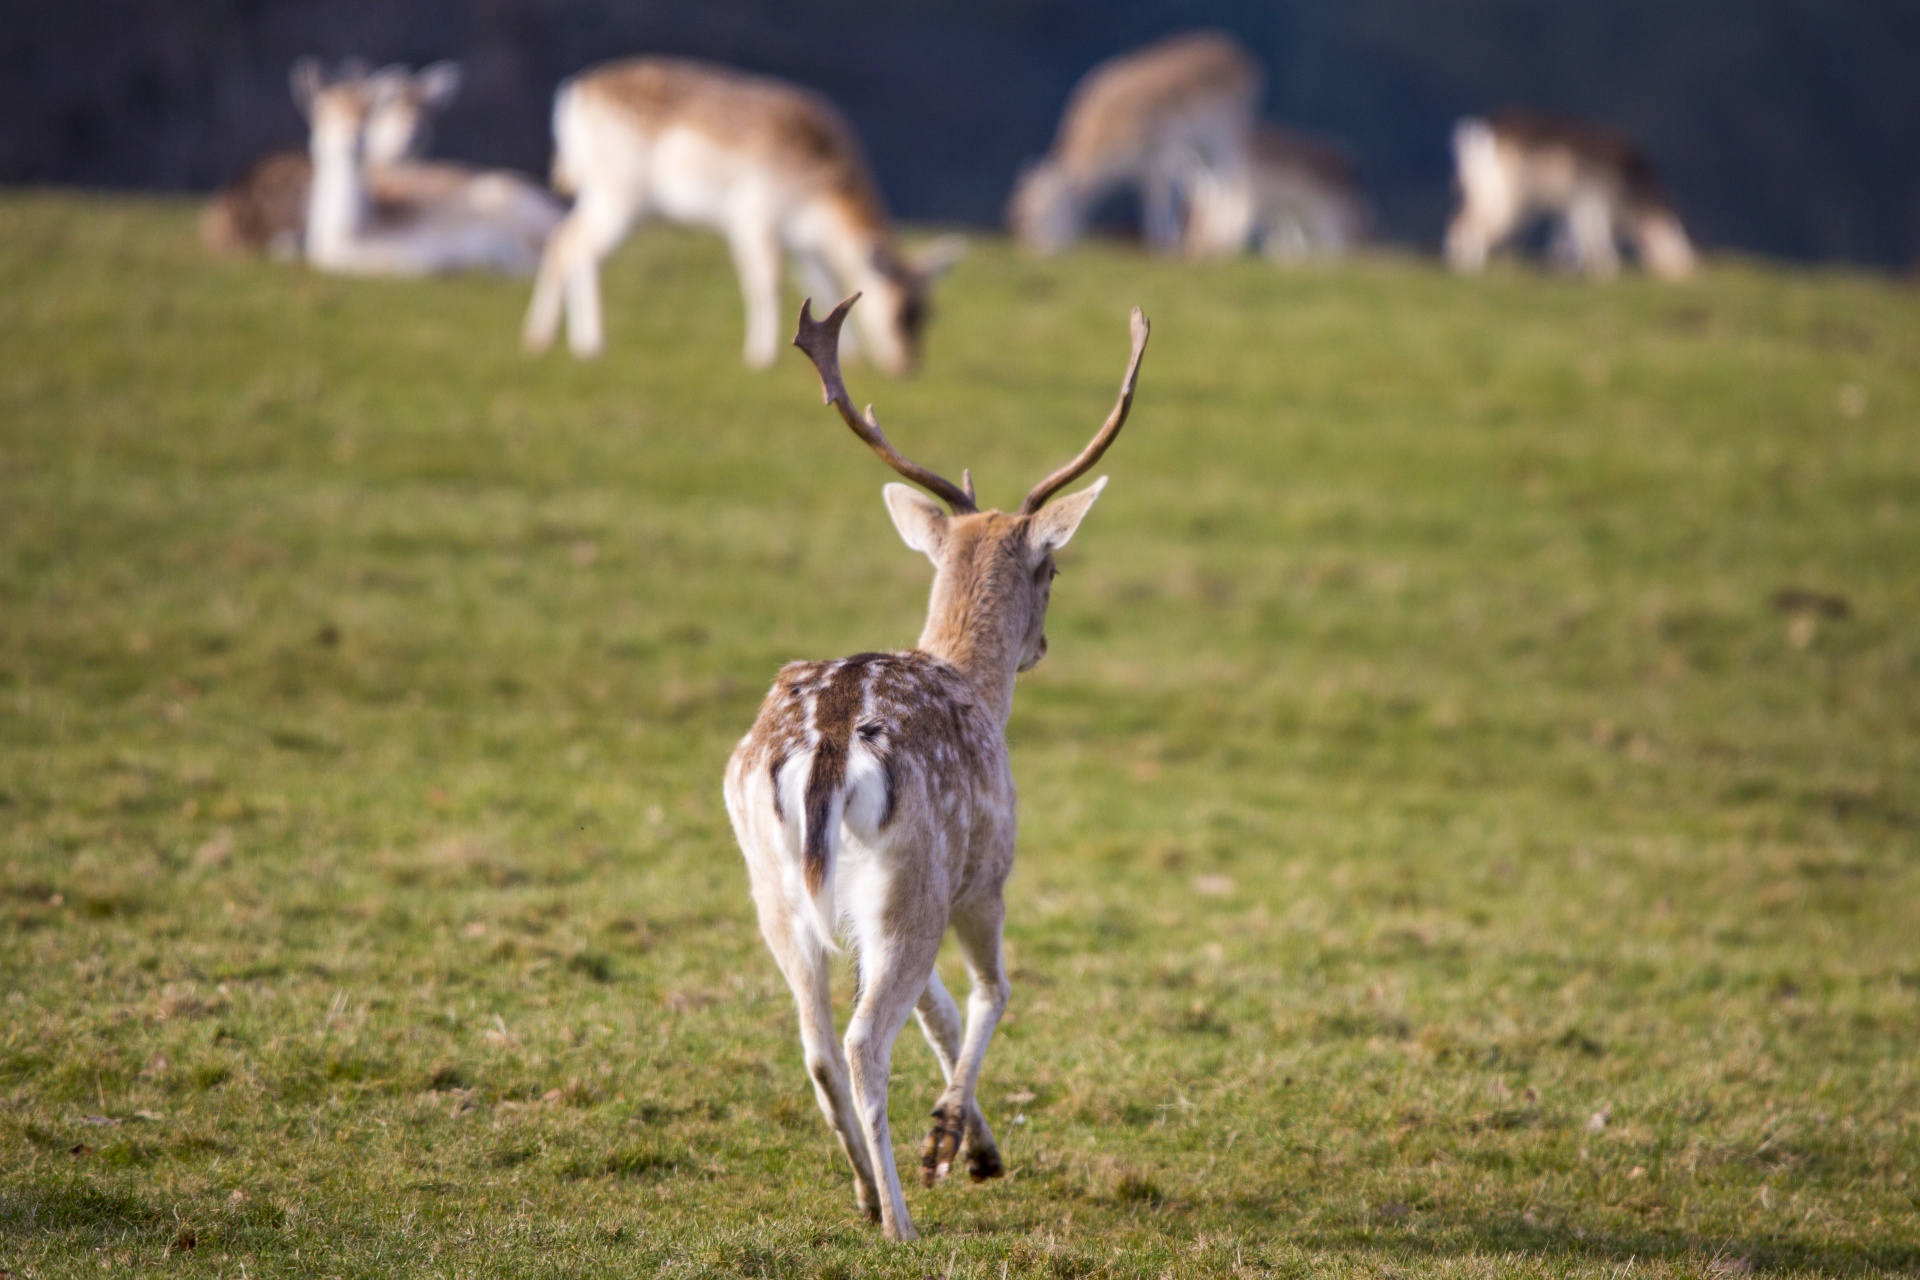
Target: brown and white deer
(1515, 166)
(1296, 198)
(874, 801)
(773, 167)
(265, 209)
(406, 219)
(1142, 119)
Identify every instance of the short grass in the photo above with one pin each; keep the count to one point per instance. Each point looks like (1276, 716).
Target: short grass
(1445, 850)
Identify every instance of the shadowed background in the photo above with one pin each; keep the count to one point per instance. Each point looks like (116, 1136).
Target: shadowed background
(1788, 127)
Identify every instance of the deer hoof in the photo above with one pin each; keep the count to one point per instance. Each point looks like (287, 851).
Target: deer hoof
(984, 1163)
(943, 1144)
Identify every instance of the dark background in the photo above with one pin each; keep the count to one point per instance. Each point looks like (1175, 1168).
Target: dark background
(1788, 127)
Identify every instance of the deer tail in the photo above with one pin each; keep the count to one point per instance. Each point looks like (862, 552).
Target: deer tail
(826, 799)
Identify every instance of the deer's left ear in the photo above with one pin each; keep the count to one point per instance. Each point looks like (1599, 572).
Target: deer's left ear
(934, 259)
(306, 80)
(921, 522)
(437, 84)
(1053, 526)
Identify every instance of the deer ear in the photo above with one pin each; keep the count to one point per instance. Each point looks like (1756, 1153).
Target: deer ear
(921, 522)
(1053, 526)
(306, 80)
(438, 84)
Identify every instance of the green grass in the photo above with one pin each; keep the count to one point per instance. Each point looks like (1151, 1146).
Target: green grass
(1422, 768)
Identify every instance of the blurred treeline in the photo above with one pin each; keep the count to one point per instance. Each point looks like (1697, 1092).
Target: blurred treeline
(1788, 127)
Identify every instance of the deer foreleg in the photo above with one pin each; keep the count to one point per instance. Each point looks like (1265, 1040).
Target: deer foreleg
(958, 1123)
(952, 1135)
(818, 282)
(756, 257)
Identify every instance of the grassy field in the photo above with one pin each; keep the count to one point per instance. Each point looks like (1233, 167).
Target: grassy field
(1446, 850)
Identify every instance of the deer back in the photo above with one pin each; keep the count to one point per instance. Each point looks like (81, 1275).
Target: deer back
(1125, 106)
(1559, 151)
(762, 126)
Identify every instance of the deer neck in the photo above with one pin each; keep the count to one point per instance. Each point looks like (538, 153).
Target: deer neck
(337, 204)
(855, 240)
(977, 625)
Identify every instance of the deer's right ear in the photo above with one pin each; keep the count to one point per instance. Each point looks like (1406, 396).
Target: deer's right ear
(306, 80)
(921, 522)
(438, 85)
(1054, 525)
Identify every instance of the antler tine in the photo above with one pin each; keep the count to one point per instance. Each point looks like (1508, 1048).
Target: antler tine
(820, 339)
(1115, 420)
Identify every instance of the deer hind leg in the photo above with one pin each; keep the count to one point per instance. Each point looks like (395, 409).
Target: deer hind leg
(570, 274)
(1159, 205)
(806, 966)
(543, 313)
(1590, 224)
(756, 257)
(893, 979)
(1471, 237)
(959, 1126)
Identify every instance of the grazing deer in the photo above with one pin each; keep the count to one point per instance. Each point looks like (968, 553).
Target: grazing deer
(265, 209)
(1299, 199)
(771, 166)
(1518, 165)
(406, 219)
(1142, 119)
(874, 802)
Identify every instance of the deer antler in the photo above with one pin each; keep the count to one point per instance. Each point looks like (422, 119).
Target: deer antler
(1115, 420)
(820, 339)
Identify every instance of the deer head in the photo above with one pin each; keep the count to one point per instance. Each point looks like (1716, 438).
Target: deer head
(382, 116)
(1043, 211)
(401, 125)
(903, 291)
(993, 571)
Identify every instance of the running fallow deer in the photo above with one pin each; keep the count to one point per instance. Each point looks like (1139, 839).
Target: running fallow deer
(265, 209)
(773, 167)
(1300, 199)
(1142, 119)
(1515, 166)
(406, 219)
(874, 802)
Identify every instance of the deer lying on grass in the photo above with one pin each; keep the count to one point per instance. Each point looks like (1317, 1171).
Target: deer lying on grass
(1142, 119)
(1296, 198)
(771, 166)
(406, 219)
(265, 209)
(1518, 165)
(874, 802)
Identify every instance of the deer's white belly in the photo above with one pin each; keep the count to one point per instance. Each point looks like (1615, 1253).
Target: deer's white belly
(695, 180)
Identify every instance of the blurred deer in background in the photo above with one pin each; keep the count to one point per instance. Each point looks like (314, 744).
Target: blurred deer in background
(1296, 198)
(874, 802)
(1518, 165)
(265, 209)
(405, 219)
(1144, 119)
(771, 166)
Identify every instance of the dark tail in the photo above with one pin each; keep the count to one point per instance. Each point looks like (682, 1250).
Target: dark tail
(824, 784)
